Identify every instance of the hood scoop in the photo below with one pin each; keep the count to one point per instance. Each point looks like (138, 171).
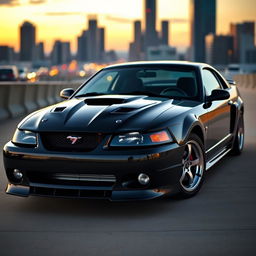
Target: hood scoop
(58, 109)
(124, 110)
(107, 101)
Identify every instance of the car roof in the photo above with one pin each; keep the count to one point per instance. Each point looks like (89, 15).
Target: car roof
(150, 63)
(8, 67)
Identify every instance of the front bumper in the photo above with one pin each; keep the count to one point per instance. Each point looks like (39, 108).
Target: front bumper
(40, 167)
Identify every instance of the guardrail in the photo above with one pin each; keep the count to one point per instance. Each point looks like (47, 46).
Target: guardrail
(246, 80)
(19, 98)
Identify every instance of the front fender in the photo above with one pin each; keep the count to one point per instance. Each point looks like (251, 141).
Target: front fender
(182, 130)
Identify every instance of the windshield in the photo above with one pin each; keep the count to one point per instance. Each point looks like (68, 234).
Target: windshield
(160, 81)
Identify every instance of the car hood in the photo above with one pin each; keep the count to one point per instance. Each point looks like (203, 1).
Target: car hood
(104, 114)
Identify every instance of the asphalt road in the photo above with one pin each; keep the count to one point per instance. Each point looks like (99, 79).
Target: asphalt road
(220, 220)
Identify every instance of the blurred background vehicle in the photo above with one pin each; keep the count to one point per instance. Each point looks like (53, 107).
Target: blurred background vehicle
(9, 73)
(23, 74)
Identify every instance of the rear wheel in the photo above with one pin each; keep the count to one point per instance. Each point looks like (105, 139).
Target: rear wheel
(239, 138)
(193, 167)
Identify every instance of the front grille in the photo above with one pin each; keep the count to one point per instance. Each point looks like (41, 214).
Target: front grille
(70, 142)
(72, 179)
(85, 177)
(75, 193)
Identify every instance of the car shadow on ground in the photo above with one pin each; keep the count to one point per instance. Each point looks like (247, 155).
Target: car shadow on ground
(94, 208)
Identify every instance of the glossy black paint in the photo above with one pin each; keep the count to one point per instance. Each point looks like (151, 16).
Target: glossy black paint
(213, 118)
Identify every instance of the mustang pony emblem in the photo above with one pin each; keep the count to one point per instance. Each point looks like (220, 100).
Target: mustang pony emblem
(73, 139)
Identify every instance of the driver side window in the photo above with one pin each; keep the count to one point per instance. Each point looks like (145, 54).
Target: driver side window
(209, 81)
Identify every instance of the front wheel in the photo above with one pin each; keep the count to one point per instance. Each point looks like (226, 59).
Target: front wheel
(193, 167)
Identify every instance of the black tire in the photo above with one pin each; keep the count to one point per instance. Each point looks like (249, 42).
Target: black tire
(193, 169)
(238, 144)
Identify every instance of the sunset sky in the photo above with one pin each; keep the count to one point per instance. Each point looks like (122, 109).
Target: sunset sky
(65, 19)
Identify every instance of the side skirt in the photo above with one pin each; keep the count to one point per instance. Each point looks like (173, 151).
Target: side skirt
(216, 158)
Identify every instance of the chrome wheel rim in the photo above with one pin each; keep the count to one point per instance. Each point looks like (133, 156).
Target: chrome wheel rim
(240, 137)
(193, 166)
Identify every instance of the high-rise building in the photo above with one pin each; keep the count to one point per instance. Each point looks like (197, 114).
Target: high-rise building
(243, 34)
(219, 49)
(165, 32)
(91, 44)
(101, 38)
(250, 56)
(40, 52)
(151, 36)
(66, 52)
(82, 47)
(203, 22)
(61, 53)
(56, 53)
(27, 41)
(92, 39)
(6, 54)
(132, 54)
(111, 56)
(135, 48)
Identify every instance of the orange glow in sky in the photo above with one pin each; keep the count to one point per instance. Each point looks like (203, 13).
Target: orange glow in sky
(72, 19)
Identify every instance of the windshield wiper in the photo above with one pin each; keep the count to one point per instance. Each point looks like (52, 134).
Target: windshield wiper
(90, 94)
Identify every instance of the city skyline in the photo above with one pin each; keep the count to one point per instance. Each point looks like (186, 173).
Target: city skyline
(49, 16)
(203, 22)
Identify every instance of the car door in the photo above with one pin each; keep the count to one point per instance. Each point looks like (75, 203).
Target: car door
(218, 115)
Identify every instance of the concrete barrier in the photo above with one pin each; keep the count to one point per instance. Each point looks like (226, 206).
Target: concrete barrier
(57, 93)
(51, 94)
(30, 98)
(254, 82)
(42, 95)
(247, 81)
(4, 95)
(251, 80)
(19, 98)
(16, 100)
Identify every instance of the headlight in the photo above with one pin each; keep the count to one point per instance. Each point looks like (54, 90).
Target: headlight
(26, 138)
(137, 139)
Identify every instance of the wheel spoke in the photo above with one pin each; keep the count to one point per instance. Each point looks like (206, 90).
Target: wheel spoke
(195, 162)
(183, 176)
(189, 152)
(190, 177)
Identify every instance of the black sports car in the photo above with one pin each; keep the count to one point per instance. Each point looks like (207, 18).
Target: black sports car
(132, 131)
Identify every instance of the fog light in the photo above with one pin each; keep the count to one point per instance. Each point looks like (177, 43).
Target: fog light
(17, 174)
(143, 179)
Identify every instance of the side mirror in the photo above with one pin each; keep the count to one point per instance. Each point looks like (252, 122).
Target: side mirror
(218, 94)
(66, 93)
